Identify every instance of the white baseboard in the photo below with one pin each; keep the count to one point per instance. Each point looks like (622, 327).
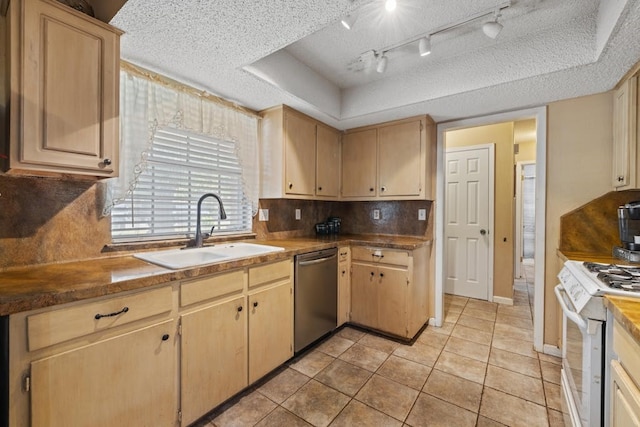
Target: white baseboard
(503, 300)
(432, 322)
(551, 350)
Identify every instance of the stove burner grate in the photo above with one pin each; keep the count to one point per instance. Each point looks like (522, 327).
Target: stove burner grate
(620, 277)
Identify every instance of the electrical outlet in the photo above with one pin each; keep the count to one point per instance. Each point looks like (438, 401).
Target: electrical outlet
(263, 214)
(298, 215)
(376, 214)
(422, 214)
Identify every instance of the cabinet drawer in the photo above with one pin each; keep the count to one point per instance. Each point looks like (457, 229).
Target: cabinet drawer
(269, 273)
(380, 256)
(211, 287)
(53, 327)
(628, 351)
(343, 254)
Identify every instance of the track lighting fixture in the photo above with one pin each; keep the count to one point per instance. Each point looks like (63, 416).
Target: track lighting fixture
(382, 63)
(348, 21)
(424, 46)
(492, 28)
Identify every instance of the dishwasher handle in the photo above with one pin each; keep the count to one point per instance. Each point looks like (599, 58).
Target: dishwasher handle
(316, 261)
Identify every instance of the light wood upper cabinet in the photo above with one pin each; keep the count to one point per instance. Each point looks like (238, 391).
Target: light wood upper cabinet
(64, 79)
(299, 152)
(626, 137)
(300, 156)
(359, 157)
(327, 162)
(389, 161)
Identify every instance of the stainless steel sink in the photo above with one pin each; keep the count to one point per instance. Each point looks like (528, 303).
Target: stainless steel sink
(176, 259)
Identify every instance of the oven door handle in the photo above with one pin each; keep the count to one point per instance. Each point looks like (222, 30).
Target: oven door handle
(575, 317)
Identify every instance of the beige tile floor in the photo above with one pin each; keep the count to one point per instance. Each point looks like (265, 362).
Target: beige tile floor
(479, 369)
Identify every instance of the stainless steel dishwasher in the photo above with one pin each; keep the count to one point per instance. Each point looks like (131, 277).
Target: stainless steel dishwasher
(316, 296)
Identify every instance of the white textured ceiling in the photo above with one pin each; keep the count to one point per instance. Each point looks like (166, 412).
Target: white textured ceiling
(265, 53)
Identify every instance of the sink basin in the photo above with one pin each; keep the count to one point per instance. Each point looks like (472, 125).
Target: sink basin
(182, 258)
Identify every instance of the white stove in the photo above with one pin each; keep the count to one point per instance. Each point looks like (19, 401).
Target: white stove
(586, 343)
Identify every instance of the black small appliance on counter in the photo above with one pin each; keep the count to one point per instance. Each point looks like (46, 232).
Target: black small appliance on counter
(629, 228)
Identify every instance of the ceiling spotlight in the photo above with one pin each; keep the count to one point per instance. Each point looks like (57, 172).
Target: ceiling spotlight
(492, 28)
(390, 5)
(382, 63)
(425, 46)
(348, 22)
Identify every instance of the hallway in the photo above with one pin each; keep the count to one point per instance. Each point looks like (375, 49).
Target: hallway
(479, 369)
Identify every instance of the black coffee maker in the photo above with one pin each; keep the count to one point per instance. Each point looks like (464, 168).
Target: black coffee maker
(629, 225)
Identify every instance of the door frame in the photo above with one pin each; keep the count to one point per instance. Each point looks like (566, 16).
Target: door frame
(540, 114)
(519, 235)
(491, 220)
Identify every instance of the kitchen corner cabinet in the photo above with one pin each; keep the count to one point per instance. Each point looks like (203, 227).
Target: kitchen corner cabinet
(95, 363)
(625, 377)
(63, 72)
(389, 290)
(300, 156)
(344, 284)
(626, 138)
(389, 161)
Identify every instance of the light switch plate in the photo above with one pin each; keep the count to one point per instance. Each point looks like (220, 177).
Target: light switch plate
(263, 214)
(298, 214)
(422, 214)
(376, 214)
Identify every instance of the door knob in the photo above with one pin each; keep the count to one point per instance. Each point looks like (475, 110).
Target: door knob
(483, 231)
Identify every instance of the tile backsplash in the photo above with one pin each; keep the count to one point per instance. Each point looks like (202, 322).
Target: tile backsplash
(395, 217)
(46, 220)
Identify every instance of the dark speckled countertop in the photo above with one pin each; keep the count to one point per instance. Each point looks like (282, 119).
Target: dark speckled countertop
(37, 286)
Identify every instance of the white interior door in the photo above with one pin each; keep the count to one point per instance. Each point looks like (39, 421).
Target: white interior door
(469, 198)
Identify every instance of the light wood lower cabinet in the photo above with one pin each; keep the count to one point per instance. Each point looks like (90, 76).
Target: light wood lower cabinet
(270, 329)
(389, 289)
(344, 285)
(116, 366)
(213, 356)
(125, 380)
(625, 377)
(159, 357)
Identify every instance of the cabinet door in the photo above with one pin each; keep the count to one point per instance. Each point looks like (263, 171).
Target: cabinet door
(625, 398)
(213, 357)
(125, 380)
(392, 290)
(624, 102)
(327, 162)
(359, 164)
(270, 329)
(344, 288)
(400, 159)
(300, 154)
(70, 87)
(364, 295)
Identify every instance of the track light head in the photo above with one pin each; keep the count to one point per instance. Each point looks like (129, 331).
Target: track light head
(382, 63)
(492, 28)
(348, 21)
(424, 46)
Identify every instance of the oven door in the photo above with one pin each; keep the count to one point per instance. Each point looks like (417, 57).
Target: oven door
(582, 365)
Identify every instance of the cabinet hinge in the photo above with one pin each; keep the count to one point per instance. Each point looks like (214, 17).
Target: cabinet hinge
(179, 416)
(421, 126)
(180, 328)
(27, 383)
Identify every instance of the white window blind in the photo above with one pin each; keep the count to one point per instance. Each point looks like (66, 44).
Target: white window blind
(181, 167)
